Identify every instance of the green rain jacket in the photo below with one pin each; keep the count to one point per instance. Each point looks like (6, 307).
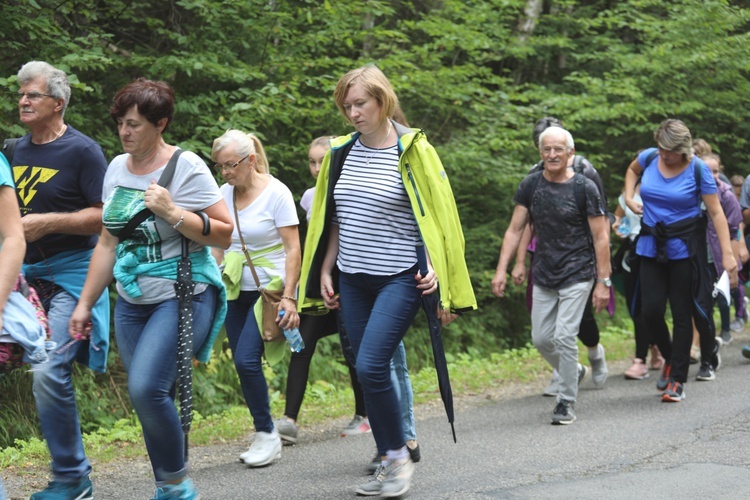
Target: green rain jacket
(434, 208)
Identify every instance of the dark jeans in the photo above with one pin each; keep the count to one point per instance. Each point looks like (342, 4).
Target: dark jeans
(312, 329)
(377, 312)
(247, 350)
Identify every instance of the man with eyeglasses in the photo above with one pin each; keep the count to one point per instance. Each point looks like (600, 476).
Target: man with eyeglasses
(572, 257)
(58, 173)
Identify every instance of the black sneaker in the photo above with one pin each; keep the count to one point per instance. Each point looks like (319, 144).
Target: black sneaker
(715, 358)
(664, 377)
(563, 413)
(414, 453)
(706, 372)
(675, 392)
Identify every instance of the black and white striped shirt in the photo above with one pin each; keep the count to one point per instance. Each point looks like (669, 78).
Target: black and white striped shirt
(377, 229)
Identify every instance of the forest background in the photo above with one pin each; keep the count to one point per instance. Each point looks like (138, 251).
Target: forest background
(475, 75)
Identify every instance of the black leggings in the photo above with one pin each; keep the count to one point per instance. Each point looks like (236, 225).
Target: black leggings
(631, 281)
(671, 281)
(312, 329)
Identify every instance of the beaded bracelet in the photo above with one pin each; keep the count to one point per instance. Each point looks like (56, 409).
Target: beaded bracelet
(289, 298)
(179, 222)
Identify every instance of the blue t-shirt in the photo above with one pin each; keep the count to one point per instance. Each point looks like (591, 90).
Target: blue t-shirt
(5, 177)
(64, 175)
(670, 200)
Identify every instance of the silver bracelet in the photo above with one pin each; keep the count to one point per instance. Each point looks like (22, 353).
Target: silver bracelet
(179, 222)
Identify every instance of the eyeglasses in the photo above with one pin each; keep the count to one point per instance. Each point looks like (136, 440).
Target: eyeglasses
(32, 96)
(220, 168)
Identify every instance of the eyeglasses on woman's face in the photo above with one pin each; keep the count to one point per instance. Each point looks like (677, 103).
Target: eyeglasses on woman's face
(219, 167)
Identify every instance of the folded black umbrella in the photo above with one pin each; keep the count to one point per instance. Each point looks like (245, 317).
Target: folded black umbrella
(184, 287)
(430, 305)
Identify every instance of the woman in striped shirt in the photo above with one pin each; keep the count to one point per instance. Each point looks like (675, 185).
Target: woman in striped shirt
(381, 192)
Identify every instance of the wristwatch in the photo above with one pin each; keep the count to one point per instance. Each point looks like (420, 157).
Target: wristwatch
(606, 281)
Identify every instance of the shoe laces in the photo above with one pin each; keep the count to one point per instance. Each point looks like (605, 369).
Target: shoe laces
(378, 475)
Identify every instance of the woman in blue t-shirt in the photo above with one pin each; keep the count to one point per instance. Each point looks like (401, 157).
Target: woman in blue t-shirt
(672, 248)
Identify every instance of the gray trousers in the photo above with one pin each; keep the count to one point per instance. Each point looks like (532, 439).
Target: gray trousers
(555, 319)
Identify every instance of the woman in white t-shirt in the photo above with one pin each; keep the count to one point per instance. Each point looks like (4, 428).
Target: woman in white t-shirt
(263, 210)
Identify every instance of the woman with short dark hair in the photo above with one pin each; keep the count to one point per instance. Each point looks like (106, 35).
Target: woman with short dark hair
(144, 264)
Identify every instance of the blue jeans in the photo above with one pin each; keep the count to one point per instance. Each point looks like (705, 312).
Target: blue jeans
(55, 397)
(247, 351)
(147, 339)
(402, 383)
(377, 312)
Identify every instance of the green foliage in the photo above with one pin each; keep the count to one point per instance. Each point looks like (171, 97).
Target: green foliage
(474, 74)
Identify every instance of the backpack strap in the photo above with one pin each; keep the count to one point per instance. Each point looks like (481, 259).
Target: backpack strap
(579, 192)
(164, 180)
(697, 169)
(9, 146)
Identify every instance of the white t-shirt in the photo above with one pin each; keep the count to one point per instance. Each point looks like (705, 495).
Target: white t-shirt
(307, 201)
(259, 221)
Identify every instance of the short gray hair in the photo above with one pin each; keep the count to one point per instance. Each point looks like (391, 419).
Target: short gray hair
(56, 81)
(557, 130)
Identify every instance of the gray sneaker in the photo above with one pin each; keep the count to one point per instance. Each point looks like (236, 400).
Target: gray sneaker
(374, 485)
(599, 369)
(563, 413)
(553, 389)
(725, 337)
(397, 480)
(287, 430)
(358, 425)
(737, 325)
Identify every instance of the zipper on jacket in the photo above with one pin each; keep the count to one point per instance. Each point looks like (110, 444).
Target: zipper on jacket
(411, 177)
(414, 185)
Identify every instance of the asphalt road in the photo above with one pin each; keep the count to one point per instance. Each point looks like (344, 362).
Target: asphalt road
(625, 444)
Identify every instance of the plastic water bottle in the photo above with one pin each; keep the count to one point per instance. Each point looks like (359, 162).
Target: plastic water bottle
(624, 228)
(293, 337)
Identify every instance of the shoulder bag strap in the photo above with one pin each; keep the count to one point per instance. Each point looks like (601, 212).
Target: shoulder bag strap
(164, 180)
(242, 241)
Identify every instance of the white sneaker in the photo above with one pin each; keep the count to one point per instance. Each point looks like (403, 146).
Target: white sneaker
(599, 368)
(265, 449)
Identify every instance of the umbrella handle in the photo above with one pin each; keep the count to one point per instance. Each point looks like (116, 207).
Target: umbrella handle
(422, 259)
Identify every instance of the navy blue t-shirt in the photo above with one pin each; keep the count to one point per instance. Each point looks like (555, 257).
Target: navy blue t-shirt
(62, 176)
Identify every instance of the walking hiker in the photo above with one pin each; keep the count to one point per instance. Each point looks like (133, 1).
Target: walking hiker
(672, 249)
(266, 227)
(588, 332)
(313, 328)
(58, 174)
(12, 245)
(143, 258)
(572, 251)
(381, 190)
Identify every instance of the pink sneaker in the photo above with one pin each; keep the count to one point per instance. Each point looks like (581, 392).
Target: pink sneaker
(637, 371)
(358, 425)
(657, 360)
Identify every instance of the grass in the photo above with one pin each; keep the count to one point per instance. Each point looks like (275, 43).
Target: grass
(471, 374)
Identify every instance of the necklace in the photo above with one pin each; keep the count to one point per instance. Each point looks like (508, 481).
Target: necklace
(147, 169)
(387, 135)
(57, 135)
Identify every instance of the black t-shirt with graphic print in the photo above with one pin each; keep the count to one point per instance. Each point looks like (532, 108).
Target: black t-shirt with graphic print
(564, 252)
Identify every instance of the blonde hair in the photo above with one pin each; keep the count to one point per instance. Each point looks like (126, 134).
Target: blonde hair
(245, 143)
(701, 148)
(673, 135)
(375, 84)
(322, 141)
